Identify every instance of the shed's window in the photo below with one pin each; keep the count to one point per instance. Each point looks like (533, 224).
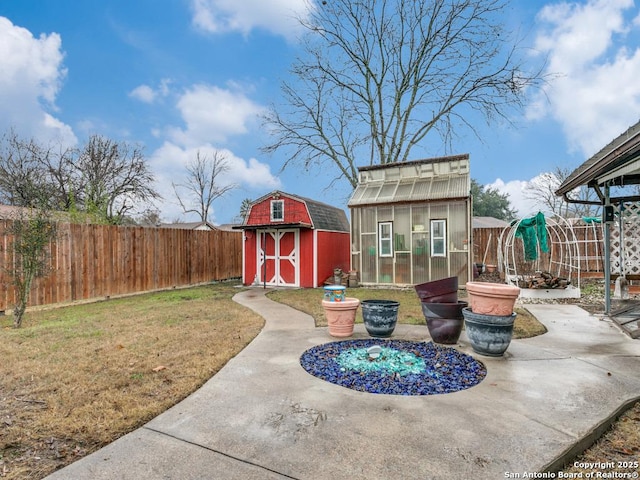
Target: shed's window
(438, 238)
(277, 210)
(385, 234)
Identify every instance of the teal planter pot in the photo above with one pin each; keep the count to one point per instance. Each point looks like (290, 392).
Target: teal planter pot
(488, 335)
(380, 317)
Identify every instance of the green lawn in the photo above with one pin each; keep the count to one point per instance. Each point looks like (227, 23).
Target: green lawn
(309, 300)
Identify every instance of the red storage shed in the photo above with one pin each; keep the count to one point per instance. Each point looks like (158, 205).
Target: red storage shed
(293, 241)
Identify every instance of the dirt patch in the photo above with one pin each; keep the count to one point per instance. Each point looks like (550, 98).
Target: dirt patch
(618, 450)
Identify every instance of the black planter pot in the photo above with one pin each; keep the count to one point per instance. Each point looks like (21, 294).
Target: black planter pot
(444, 321)
(380, 317)
(488, 334)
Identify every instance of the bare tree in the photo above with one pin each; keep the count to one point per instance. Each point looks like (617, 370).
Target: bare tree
(202, 185)
(115, 179)
(106, 179)
(23, 180)
(150, 218)
(378, 76)
(542, 191)
(60, 168)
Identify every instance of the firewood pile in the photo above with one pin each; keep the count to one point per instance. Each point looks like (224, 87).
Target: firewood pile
(546, 281)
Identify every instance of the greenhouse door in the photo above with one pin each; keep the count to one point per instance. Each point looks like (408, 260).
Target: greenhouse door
(278, 257)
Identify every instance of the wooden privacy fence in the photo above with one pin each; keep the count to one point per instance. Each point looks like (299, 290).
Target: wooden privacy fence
(485, 245)
(97, 261)
(589, 239)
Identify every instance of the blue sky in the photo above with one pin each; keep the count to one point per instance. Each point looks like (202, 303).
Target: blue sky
(182, 76)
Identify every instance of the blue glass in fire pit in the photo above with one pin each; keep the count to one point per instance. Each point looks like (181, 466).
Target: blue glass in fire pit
(399, 367)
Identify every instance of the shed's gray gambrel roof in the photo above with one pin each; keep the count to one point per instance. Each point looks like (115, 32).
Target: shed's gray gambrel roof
(420, 180)
(326, 217)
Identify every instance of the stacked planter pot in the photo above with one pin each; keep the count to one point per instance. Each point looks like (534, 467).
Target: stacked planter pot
(339, 310)
(444, 320)
(441, 309)
(444, 290)
(489, 318)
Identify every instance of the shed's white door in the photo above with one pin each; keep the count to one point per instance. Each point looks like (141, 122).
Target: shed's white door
(278, 257)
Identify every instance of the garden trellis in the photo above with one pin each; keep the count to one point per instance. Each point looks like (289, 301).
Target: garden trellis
(535, 245)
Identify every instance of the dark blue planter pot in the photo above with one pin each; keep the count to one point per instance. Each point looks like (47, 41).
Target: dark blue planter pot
(380, 317)
(488, 334)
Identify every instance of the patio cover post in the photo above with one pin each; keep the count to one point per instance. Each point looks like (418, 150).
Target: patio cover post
(607, 254)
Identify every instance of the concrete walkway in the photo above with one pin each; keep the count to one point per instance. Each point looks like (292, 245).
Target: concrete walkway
(262, 416)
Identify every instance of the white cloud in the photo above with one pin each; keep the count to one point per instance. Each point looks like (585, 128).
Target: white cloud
(253, 173)
(516, 191)
(595, 94)
(213, 114)
(148, 94)
(276, 16)
(170, 160)
(31, 73)
(144, 93)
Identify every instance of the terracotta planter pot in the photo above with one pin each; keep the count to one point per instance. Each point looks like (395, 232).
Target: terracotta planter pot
(488, 334)
(341, 316)
(380, 317)
(492, 298)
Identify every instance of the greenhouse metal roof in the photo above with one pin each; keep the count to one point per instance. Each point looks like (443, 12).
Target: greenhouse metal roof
(422, 180)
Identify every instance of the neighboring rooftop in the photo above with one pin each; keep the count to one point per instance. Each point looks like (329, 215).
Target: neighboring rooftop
(189, 225)
(488, 222)
(9, 211)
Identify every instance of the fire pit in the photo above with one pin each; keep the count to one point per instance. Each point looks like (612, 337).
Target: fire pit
(395, 367)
